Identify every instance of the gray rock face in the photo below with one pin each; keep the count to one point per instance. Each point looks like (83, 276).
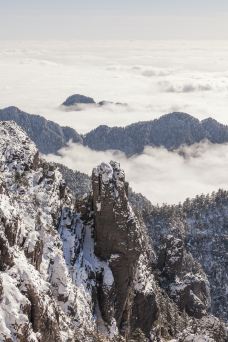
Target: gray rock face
(86, 269)
(200, 228)
(48, 136)
(196, 236)
(134, 297)
(78, 99)
(169, 131)
(78, 182)
(117, 236)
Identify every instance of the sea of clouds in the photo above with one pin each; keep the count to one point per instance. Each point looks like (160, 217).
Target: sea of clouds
(160, 175)
(153, 77)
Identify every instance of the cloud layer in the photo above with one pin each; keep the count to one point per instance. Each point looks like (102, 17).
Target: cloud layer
(153, 77)
(162, 176)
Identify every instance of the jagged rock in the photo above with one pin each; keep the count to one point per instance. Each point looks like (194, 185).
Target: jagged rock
(43, 323)
(139, 302)
(86, 270)
(170, 257)
(78, 182)
(34, 252)
(201, 225)
(116, 233)
(119, 240)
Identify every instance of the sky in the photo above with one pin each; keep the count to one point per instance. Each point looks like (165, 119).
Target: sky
(100, 19)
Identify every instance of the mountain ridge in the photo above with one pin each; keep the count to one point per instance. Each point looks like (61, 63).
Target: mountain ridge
(85, 269)
(47, 135)
(169, 131)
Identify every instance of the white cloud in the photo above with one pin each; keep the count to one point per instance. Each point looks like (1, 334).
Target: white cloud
(153, 77)
(160, 175)
(182, 87)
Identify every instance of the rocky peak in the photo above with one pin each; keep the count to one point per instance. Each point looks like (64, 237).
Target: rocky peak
(117, 236)
(86, 270)
(170, 131)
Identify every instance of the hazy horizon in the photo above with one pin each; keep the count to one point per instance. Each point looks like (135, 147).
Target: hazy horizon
(99, 19)
(154, 78)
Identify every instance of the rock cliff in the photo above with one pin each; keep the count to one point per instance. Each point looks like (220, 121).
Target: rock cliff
(85, 269)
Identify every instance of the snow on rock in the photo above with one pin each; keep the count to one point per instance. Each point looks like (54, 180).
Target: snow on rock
(84, 270)
(40, 268)
(144, 281)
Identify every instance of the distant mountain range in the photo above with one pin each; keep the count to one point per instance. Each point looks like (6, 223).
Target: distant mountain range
(169, 131)
(48, 136)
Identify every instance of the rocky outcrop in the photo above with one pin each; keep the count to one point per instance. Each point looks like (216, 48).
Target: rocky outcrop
(197, 234)
(130, 293)
(182, 277)
(38, 294)
(86, 269)
(78, 182)
(118, 241)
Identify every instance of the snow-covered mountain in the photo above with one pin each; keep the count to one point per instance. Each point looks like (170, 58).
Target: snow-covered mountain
(170, 131)
(48, 136)
(85, 268)
(201, 227)
(201, 224)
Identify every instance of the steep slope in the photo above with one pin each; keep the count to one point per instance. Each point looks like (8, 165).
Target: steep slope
(201, 226)
(79, 183)
(85, 270)
(44, 295)
(48, 136)
(169, 131)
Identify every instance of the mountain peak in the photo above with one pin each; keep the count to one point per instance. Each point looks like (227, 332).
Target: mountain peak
(170, 131)
(86, 267)
(47, 135)
(76, 99)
